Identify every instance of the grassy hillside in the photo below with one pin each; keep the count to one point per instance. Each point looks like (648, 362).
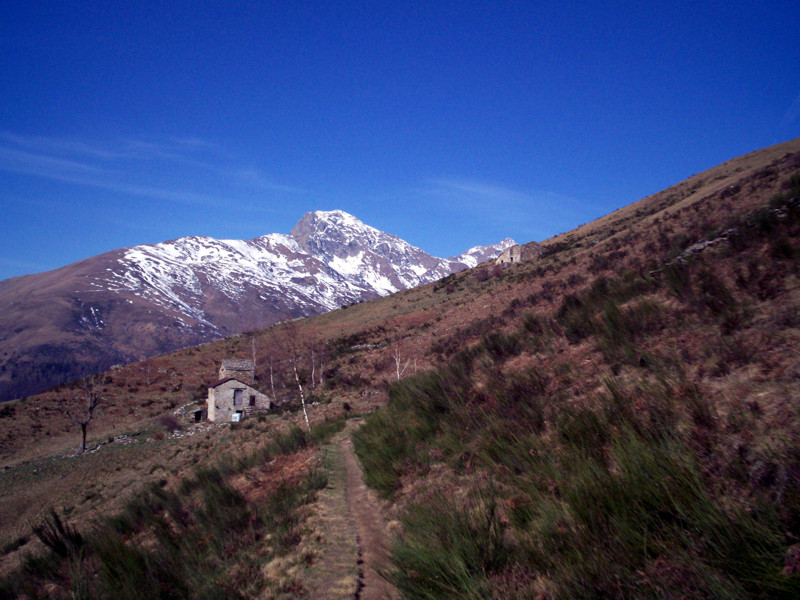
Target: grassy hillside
(630, 428)
(615, 418)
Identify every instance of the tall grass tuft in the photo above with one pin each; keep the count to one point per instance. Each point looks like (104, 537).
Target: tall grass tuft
(451, 549)
(59, 536)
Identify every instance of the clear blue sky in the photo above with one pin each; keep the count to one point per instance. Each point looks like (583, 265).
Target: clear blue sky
(450, 124)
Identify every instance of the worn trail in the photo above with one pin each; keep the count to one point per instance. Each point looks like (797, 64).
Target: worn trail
(353, 531)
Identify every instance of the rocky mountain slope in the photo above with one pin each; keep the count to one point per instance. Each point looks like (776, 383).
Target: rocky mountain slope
(132, 303)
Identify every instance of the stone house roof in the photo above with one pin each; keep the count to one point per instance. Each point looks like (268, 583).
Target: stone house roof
(225, 380)
(237, 364)
(239, 368)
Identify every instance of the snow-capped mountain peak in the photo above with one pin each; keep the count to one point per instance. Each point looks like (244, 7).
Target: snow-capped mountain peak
(329, 259)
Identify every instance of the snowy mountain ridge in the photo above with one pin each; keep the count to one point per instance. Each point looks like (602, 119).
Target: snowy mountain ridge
(329, 259)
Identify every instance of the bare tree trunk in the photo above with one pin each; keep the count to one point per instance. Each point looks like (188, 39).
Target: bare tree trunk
(147, 371)
(272, 381)
(313, 371)
(83, 416)
(398, 362)
(291, 342)
(302, 396)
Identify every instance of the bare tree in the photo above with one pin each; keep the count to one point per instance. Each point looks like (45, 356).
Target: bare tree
(271, 365)
(80, 407)
(318, 355)
(313, 367)
(322, 355)
(398, 362)
(293, 347)
(147, 371)
(266, 352)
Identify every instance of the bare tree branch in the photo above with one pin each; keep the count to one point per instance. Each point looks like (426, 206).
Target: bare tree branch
(80, 406)
(398, 361)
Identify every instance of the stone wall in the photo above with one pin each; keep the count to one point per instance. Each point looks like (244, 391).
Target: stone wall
(232, 396)
(510, 255)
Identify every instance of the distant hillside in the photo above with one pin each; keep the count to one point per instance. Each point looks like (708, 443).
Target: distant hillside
(138, 302)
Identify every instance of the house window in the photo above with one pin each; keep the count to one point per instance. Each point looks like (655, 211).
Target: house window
(237, 397)
(252, 400)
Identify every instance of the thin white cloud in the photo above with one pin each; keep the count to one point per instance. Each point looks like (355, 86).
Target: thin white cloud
(527, 213)
(32, 163)
(118, 166)
(57, 146)
(483, 192)
(125, 148)
(792, 113)
(255, 179)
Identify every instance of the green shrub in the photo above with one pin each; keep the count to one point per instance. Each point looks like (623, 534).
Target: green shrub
(501, 346)
(323, 431)
(450, 550)
(383, 446)
(576, 316)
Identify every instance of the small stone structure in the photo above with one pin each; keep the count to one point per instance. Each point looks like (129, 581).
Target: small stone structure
(233, 396)
(509, 256)
(231, 400)
(241, 369)
(516, 254)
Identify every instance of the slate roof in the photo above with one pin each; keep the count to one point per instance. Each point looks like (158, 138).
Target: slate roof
(227, 379)
(236, 364)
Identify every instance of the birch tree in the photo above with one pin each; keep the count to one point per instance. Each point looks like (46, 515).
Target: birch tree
(318, 356)
(293, 348)
(398, 362)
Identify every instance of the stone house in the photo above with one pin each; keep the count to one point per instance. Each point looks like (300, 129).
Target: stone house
(231, 400)
(233, 396)
(515, 254)
(509, 256)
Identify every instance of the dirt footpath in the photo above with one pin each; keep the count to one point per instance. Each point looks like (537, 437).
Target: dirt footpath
(352, 530)
(371, 526)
